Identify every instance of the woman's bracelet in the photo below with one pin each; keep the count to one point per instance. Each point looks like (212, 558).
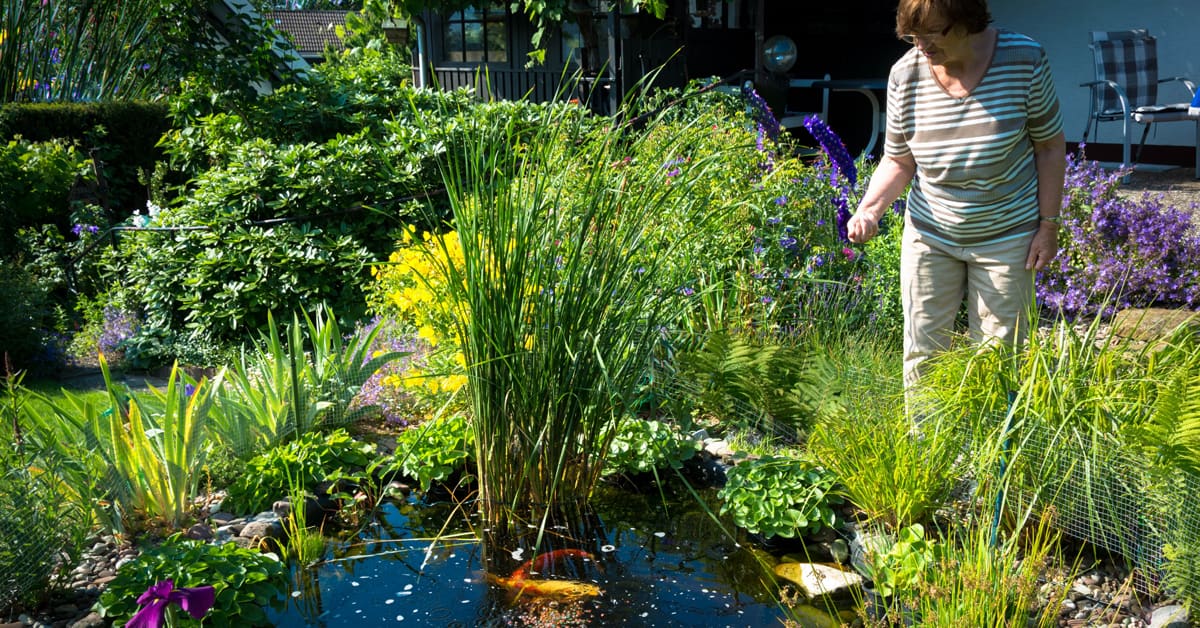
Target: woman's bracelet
(1055, 219)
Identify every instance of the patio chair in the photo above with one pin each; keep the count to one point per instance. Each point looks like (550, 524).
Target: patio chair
(1126, 88)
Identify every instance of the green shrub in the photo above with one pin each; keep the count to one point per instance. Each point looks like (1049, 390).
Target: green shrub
(35, 185)
(27, 320)
(312, 458)
(247, 582)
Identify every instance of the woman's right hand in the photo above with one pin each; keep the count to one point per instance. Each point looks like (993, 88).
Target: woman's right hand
(861, 228)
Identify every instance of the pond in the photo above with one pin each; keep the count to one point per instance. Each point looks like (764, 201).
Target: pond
(658, 558)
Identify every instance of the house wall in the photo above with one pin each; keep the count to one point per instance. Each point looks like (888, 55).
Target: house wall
(1062, 27)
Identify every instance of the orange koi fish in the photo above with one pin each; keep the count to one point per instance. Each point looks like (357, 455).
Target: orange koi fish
(519, 583)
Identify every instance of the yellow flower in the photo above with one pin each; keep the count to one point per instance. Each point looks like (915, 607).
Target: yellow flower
(454, 382)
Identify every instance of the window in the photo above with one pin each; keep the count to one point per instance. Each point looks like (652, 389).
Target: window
(476, 36)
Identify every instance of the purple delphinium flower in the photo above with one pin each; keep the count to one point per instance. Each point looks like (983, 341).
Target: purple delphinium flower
(832, 145)
(768, 125)
(196, 601)
(843, 217)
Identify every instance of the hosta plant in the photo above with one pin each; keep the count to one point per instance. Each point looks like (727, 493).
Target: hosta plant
(432, 451)
(246, 581)
(645, 446)
(780, 496)
(303, 463)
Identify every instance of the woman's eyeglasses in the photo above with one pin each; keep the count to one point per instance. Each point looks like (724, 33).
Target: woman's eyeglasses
(912, 39)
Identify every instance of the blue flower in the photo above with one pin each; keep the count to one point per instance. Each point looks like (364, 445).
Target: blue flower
(833, 147)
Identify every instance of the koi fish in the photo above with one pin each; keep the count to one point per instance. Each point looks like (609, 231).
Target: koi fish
(518, 583)
(559, 590)
(544, 561)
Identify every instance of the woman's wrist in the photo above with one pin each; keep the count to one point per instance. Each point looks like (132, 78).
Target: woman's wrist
(1055, 220)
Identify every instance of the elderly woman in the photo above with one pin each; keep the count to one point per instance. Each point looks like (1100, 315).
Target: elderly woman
(973, 123)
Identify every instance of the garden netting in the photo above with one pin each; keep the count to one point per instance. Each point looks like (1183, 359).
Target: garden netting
(1098, 494)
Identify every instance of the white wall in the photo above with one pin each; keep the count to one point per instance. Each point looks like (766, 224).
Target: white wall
(1062, 26)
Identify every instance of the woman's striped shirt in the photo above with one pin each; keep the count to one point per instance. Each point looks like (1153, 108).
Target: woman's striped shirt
(976, 182)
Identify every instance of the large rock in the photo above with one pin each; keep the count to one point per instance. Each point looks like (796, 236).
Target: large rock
(1173, 616)
(816, 580)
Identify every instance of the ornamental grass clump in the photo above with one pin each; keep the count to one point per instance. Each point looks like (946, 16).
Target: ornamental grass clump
(558, 300)
(1117, 253)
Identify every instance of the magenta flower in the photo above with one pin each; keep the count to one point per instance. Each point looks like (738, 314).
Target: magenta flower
(195, 600)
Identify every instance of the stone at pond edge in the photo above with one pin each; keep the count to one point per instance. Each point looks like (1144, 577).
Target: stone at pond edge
(813, 617)
(816, 580)
(1173, 616)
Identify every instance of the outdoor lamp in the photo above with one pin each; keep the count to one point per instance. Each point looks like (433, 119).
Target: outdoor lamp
(779, 53)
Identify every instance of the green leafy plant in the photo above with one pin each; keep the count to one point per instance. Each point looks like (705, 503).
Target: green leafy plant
(432, 451)
(161, 448)
(745, 381)
(904, 564)
(246, 581)
(42, 517)
(305, 462)
(976, 581)
(779, 496)
(305, 545)
(896, 475)
(645, 446)
(295, 382)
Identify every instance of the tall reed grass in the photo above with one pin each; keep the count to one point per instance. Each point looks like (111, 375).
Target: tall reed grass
(560, 295)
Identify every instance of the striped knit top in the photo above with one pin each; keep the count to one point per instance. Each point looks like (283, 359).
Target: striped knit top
(976, 182)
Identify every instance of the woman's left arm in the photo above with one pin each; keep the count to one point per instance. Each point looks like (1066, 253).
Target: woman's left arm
(1050, 159)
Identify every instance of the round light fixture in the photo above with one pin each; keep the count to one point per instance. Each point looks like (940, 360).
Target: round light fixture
(779, 53)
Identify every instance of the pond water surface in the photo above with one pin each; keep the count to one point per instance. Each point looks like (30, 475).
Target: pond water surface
(658, 558)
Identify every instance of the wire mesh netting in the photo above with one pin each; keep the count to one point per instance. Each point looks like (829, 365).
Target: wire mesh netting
(1098, 492)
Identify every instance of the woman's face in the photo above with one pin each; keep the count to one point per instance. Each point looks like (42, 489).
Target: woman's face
(941, 42)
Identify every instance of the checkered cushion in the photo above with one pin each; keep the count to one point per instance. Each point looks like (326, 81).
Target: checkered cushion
(1130, 59)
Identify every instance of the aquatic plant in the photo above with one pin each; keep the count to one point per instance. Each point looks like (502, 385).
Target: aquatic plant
(558, 299)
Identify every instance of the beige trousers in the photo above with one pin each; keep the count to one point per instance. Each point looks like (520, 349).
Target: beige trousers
(935, 278)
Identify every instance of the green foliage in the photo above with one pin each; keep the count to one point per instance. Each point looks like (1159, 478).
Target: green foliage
(35, 184)
(26, 320)
(295, 382)
(975, 581)
(896, 474)
(904, 564)
(307, 461)
(747, 381)
(224, 281)
(779, 496)
(246, 581)
(121, 136)
(42, 518)
(161, 449)
(644, 446)
(432, 451)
